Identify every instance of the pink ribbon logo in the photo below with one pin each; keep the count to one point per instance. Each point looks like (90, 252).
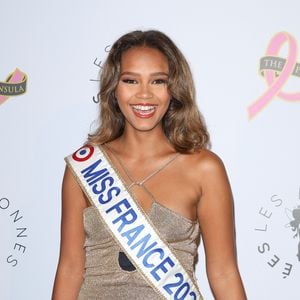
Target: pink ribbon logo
(272, 65)
(14, 85)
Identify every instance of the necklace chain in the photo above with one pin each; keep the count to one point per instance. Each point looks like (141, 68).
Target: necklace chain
(141, 182)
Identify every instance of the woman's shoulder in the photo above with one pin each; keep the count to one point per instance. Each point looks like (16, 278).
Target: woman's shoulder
(205, 161)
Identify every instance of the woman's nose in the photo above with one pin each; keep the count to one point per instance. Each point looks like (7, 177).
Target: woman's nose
(144, 92)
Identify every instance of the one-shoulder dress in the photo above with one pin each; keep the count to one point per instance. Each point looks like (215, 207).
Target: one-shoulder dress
(105, 279)
(106, 274)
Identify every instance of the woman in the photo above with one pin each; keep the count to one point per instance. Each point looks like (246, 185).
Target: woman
(154, 137)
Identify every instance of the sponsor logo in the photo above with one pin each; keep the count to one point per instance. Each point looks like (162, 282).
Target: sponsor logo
(279, 235)
(277, 71)
(14, 85)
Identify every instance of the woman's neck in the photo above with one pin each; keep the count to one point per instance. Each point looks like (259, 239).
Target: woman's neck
(143, 144)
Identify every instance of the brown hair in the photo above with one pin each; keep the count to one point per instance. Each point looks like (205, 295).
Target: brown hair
(183, 124)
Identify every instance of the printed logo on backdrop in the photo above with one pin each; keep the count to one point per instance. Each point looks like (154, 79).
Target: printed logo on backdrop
(12, 222)
(282, 253)
(14, 85)
(98, 63)
(277, 71)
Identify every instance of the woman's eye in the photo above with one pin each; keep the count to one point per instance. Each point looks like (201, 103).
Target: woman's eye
(160, 81)
(129, 81)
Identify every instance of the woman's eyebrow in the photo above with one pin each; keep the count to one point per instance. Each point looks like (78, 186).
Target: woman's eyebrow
(151, 74)
(159, 73)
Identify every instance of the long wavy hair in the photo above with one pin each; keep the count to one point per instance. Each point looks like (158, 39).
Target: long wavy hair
(182, 124)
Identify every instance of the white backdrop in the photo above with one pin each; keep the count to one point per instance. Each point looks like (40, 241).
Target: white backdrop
(58, 44)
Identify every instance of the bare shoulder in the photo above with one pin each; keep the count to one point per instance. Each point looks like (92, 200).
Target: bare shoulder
(69, 179)
(71, 191)
(206, 162)
(204, 170)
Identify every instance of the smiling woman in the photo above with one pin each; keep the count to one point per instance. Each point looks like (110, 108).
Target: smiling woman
(142, 92)
(182, 124)
(138, 194)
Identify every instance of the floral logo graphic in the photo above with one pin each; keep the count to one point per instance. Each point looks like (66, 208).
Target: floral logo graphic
(277, 71)
(14, 85)
(294, 216)
(278, 249)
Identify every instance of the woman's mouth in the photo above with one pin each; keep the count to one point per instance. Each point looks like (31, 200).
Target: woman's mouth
(144, 110)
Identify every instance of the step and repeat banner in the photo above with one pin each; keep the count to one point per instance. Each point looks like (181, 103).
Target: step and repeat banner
(245, 61)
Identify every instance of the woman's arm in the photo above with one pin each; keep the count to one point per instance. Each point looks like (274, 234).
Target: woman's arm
(69, 274)
(215, 213)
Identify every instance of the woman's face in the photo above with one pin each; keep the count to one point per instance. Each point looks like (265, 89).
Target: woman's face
(142, 91)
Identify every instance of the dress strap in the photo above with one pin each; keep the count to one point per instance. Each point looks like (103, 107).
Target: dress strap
(141, 182)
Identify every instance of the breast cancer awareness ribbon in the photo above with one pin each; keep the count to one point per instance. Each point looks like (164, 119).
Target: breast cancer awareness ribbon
(15, 84)
(275, 84)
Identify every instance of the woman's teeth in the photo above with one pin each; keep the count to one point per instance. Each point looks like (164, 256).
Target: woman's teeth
(144, 109)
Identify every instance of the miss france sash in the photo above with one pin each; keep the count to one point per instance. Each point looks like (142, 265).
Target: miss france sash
(129, 225)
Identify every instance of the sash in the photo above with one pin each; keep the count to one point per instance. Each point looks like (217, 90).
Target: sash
(129, 225)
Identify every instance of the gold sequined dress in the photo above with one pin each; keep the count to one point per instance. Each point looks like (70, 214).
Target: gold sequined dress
(105, 279)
